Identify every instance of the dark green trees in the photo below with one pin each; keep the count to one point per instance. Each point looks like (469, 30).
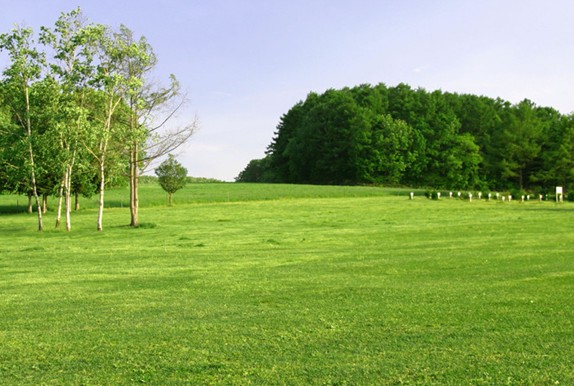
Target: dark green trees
(258, 170)
(404, 136)
(172, 176)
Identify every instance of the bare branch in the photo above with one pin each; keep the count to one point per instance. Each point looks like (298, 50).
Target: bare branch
(169, 141)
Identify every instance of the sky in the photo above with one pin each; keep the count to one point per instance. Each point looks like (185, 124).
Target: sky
(245, 63)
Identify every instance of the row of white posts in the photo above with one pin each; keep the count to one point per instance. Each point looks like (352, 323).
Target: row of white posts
(559, 196)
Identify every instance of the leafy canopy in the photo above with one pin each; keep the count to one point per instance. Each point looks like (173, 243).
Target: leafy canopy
(172, 176)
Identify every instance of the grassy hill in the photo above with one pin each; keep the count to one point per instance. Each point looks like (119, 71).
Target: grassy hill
(280, 284)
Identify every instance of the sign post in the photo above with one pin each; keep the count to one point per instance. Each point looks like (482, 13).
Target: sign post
(559, 194)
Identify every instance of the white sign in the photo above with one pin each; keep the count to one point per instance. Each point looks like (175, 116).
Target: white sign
(559, 194)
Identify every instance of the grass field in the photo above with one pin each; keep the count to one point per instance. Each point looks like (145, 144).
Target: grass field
(277, 284)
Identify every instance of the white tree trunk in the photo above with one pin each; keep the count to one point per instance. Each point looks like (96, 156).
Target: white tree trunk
(68, 197)
(60, 196)
(134, 199)
(31, 159)
(101, 203)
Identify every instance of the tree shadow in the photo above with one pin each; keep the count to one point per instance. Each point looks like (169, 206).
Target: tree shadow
(12, 209)
(116, 204)
(555, 208)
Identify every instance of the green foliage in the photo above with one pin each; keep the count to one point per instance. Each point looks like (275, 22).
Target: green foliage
(517, 193)
(153, 180)
(172, 176)
(432, 194)
(412, 137)
(76, 107)
(291, 285)
(202, 180)
(258, 170)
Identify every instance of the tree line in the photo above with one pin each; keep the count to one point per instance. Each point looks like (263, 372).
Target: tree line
(405, 136)
(79, 111)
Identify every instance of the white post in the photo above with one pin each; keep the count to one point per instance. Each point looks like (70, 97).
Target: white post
(438, 195)
(480, 195)
(412, 195)
(497, 196)
(469, 197)
(449, 194)
(489, 196)
(509, 197)
(522, 199)
(539, 198)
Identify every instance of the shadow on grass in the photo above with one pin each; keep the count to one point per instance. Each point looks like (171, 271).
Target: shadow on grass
(144, 225)
(12, 209)
(116, 204)
(555, 208)
(17, 231)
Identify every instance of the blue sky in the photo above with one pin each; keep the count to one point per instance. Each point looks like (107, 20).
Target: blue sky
(244, 63)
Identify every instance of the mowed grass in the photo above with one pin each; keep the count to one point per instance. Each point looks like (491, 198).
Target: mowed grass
(290, 285)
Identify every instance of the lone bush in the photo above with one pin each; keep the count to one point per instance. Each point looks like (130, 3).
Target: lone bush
(172, 176)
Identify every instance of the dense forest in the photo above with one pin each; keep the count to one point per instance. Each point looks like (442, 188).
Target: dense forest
(79, 111)
(405, 136)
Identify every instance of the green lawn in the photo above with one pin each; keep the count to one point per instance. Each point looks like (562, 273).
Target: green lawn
(279, 284)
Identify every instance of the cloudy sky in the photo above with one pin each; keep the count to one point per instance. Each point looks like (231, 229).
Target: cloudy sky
(244, 63)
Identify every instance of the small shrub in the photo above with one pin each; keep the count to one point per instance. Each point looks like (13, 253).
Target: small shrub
(517, 193)
(431, 194)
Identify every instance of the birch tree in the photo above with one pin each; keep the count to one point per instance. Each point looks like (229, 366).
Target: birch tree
(73, 44)
(25, 69)
(111, 88)
(151, 108)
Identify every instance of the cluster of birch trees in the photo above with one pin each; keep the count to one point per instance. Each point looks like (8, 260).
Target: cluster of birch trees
(79, 109)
